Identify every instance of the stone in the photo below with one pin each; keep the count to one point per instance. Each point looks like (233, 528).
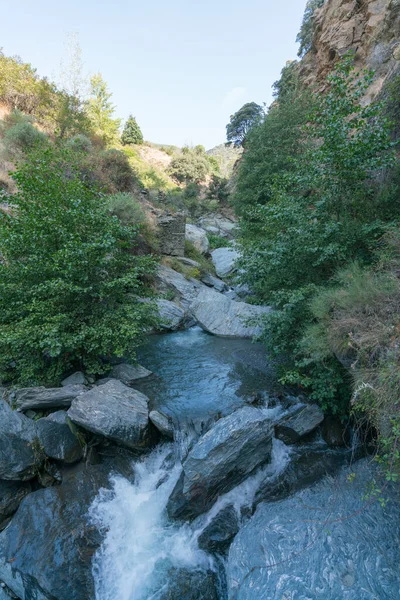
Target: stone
(11, 495)
(185, 290)
(219, 315)
(172, 316)
(224, 260)
(214, 282)
(188, 261)
(220, 460)
(303, 420)
(171, 234)
(219, 533)
(42, 398)
(185, 584)
(198, 237)
(218, 225)
(162, 423)
(116, 412)
(335, 434)
(76, 378)
(46, 551)
(20, 457)
(128, 374)
(57, 438)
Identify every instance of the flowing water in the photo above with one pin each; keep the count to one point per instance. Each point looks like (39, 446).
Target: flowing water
(197, 379)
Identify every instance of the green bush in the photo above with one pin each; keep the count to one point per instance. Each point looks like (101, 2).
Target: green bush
(217, 241)
(112, 170)
(132, 133)
(71, 293)
(128, 210)
(22, 138)
(80, 143)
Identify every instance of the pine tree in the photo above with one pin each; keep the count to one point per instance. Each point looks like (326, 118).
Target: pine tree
(132, 133)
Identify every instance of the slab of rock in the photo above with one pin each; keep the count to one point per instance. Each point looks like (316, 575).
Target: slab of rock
(198, 237)
(218, 225)
(75, 379)
(42, 398)
(188, 261)
(184, 584)
(224, 260)
(220, 460)
(57, 439)
(172, 316)
(20, 457)
(11, 495)
(128, 374)
(303, 420)
(185, 290)
(219, 533)
(46, 551)
(171, 234)
(219, 315)
(114, 411)
(214, 282)
(162, 423)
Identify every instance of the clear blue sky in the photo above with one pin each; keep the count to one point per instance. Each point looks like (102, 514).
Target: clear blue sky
(181, 67)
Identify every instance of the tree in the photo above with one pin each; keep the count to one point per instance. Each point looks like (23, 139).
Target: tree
(193, 165)
(305, 35)
(132, 133)
(242, 122)
(100, 111)
(71, 293)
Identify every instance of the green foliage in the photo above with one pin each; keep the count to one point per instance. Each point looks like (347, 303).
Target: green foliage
(242, 122)
(111, 169)
(70, 292)
(192, 166)
(218, 189)
(80, 143)
(21, 138)
(305, 35)
(206, 265)
(217, 241)
(100, 111)
(226, 156)
(132, 133)
(128, 210)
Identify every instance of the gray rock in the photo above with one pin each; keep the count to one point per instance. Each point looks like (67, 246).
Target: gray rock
(162, 423)
(171, 234)
(128, 374)
(224, 260)
(219, 533)
(20, 456)
(335, 433)
(46, 551)
(184, 584)
(115, 411)
(75, 379)
(57, 439)
(11, 495)
(172, 316)
(220, 460)
(218, 225)
(214, 282)
(219, 315)
(304, 419)
(185, 290)
(42, 398)
(198, 237)
(188, 261)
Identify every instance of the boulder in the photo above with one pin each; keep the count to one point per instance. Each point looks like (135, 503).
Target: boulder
(185, 290)
(114, 411)
(220, 460)
(172, 316)
(218, 225)
(42, 398)
(46, 551)
(11, 495)
(171, 234)
(75, 379)
(219, 533)
(128, 374)
(298, 423)
(224, 260)
(214, 282)
(20, 456)
(198, 237)
(334, 433)
(57, 439)
(162, 423)
(185, 584)
(188, 261)
(219, 315)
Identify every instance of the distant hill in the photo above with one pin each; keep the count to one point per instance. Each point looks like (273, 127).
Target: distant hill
(226, 157)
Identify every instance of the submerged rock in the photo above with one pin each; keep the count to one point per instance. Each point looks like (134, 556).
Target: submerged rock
(128, 374)
(57, 439)
(198, 237)
(42, 398)
(162, 423)
(20, 456)
(219, 315)
(224, 260)
(220, 460)
(115, 411)
(172, 316)
(291, 428)
(219, 533)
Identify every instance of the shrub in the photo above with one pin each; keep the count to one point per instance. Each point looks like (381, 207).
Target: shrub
(217, 241)
(22, 138)
(128, 210)
(305, 35)
(70, 292)
(113, 171)
(80, 143)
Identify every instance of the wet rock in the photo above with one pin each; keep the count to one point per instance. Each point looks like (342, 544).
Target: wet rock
(335, 434)
(185, 290)
(75, 379)
(172, 316)
(291, 428)
(184, 584)
(162, 423)
(115, 411)
(325, 538)
(11, 495)
(219, 533)
(224, 260)
(219, 315)
(214, 282)
(128, 374)
(42, 398)
(46, 551)
(198, 237)
(220, 460)
(57, 439)
(20, 456)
